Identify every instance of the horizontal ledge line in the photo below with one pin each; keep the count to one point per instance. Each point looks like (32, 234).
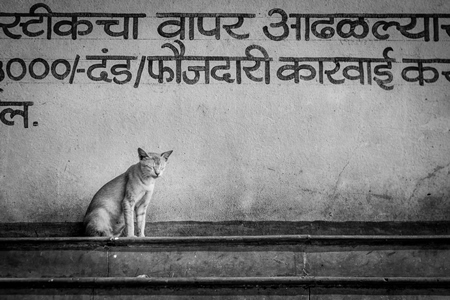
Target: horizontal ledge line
(293, 240)
(299, 237)
(205, 282)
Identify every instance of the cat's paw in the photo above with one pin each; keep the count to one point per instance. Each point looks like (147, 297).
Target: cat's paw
(131, 236)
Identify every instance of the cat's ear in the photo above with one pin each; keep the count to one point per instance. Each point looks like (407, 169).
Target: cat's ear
(166, 154)
(142, 154)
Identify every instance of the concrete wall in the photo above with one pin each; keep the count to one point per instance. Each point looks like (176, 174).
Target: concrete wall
(270, 150)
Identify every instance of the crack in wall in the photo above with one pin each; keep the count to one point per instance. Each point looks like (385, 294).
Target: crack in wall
(430, 175)
(339, 177)
(338, 181)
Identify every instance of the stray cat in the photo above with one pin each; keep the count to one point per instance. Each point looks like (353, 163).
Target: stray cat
(113, 206)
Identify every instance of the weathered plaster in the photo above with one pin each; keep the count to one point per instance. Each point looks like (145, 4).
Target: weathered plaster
(250, 151)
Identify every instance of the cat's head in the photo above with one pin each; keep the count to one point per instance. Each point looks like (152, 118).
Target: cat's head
(153, 164)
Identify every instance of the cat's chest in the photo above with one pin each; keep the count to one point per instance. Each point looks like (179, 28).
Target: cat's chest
(145, 190)
(147, 186)
(144, 197)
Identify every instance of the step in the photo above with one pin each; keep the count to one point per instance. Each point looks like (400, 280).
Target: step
(268, 266)
(239, 228)
(311, 288)
(227, 256)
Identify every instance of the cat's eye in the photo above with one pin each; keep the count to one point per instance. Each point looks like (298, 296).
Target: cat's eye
(150, 164)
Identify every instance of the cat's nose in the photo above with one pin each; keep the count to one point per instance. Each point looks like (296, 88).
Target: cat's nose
(157, 174)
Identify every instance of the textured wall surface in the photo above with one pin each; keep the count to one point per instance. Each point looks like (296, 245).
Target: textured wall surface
(260, 150)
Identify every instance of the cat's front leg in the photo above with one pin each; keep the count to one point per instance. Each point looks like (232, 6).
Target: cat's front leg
(140, 216)
(128, 204)
(141, 212)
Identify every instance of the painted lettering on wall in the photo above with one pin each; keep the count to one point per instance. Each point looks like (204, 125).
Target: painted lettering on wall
(8, 113)
(357, 26)
(176, 65)
(179, 68)
(77, 23)
(301, 26)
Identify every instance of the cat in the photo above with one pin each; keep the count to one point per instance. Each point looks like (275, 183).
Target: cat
(111, 211)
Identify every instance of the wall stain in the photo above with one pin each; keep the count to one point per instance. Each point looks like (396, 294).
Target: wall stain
(429, 176)
(385, 197)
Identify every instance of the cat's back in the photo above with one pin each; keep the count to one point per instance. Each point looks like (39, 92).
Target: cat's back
(110, 194)
(113, 188)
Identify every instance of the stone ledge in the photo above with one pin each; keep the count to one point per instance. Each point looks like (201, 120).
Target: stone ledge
(238, 282)
(283, 241)
(239, 228)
